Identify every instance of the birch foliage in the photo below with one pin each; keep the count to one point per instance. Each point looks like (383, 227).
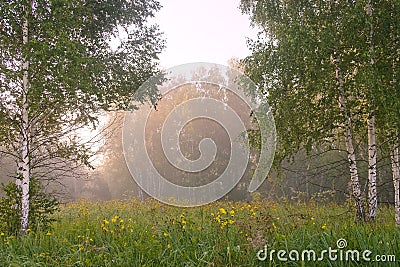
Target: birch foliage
(58, 71)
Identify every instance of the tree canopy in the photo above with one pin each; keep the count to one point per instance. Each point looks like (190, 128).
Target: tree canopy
(327, 67)
(61, 63)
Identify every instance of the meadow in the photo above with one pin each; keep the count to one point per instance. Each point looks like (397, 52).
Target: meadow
(224, 233)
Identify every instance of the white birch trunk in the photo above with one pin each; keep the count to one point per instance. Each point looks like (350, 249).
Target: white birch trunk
(394, 157)
(24, 164)
(354, 179)
(372, 147)
(372, 151)
(394, 148)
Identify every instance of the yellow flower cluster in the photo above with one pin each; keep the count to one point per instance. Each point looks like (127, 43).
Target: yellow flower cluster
(183, 221)
(223, 217)
(251, 209)
(116, 225)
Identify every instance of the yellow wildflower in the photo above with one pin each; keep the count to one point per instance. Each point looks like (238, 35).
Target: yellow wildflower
(115, 219)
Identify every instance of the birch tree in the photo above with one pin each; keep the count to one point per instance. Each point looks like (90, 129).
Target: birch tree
(395, 86)
(310, 53)
(395, 163)
(378, 72)
(304, 61)
(58, 71)
(372, 147)
(391, 98)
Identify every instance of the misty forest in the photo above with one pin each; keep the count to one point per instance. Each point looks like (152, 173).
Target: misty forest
(78, 79)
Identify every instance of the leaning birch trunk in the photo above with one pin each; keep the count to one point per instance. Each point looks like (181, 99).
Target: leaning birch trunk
(394, 158)
(372, 147)
(24, 164)
(354, 180)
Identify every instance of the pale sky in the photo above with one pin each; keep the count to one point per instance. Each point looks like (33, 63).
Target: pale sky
(203, 30)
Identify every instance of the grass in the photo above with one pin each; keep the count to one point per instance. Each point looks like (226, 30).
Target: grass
(133, 233)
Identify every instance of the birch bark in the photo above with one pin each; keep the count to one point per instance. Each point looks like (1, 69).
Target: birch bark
(372, 151)
(24, 164)
(372, 147)
(354, 179)
(394, 157)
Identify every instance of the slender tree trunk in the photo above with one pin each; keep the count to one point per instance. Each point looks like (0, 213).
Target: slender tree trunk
(395, 160)
(354, 180)
(372, 151)
(24, 164)
(394, 148)
(372, 147)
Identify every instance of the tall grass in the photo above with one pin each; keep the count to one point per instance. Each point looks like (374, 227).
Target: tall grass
(133, 233)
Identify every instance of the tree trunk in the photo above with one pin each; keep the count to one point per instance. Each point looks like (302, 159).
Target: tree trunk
(24, 171)
(394, 148)
(354, 180)
(372, 148)
(394, 157)
(372, 151)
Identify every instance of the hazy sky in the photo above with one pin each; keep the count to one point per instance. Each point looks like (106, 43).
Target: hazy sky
(203, 30)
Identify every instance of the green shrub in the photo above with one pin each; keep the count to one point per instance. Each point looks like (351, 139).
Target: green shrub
(42, 206)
